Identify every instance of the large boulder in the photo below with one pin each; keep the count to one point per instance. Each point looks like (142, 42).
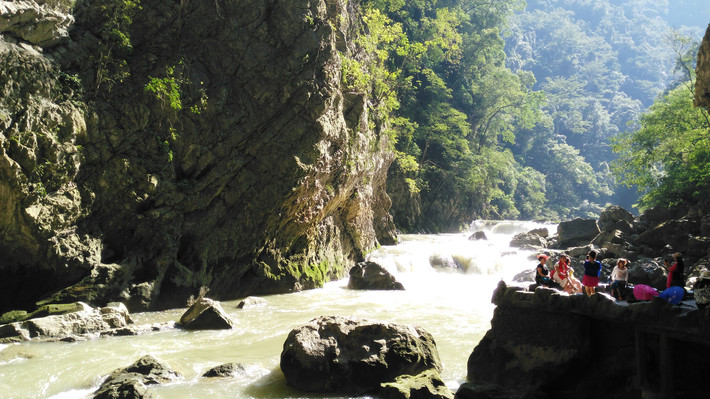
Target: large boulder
(675, 233)
(206, 314)
(372, 276)
(528, 240)
(354, 356)
(648, 272)
(225, 370)
(577, 232)
(130, 382)
(614, 216)
(85, 320)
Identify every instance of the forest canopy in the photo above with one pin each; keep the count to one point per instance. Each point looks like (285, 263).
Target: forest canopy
(508, 109)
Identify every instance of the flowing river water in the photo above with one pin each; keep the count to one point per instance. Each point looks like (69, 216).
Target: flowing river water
(453, 304)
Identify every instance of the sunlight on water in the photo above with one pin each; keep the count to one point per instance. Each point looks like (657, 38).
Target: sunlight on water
(451, 302)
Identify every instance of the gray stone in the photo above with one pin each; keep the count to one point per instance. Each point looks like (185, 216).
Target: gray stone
(206, 314)
(251, 302)
(131, 381)
(354, 356)
(225, 370)
(372, 276)
(425, 385)
(577, 232)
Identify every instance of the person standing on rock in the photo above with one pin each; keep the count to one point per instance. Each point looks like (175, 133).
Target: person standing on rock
(592, 270)
(675, 272)
(619, 279)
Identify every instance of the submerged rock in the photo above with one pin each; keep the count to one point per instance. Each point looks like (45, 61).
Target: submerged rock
(372, 276)
(354, 356)
(251, 302)
(206, 314)
(225, 370)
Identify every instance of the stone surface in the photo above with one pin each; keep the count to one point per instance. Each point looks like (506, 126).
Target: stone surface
(225, 370)
(39, 23)
(613, 215)
(206, 314)
(425, 385)
(269, 179)
(532, 240)
(353, 356)
(577, 232)
(131, 381)
(77, 323)
(478, 235)
(251, 302)
(702, 73)
(372, 276)
(548, 344)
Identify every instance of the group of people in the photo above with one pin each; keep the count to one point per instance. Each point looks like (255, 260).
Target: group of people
(562, 276)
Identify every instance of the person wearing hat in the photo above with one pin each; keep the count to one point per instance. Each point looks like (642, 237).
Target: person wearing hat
(542, 272)
(619, 279)
(702, 290)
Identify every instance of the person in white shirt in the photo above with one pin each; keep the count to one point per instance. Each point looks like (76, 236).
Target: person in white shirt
(619, 279)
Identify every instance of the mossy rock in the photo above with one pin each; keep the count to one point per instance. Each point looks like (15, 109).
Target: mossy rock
(425, 385)
(13, 316)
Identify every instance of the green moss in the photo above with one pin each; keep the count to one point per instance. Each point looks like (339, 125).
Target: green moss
(13, 316)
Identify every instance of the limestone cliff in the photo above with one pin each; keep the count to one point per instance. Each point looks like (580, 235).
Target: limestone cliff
(702, 73)
(161, 146)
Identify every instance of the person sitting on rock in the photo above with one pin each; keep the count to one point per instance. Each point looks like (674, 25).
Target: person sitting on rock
(702, 290)
(542, 272)
(563, 275)
(619, 279)
(592, 270)
(675, 272)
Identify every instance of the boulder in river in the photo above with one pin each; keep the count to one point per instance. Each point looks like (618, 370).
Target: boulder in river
(354, 356)
(131, 381)
(478, 235)
(206, 314)
(528, 240)
(251, 302)
(372, 276)
(225, 370)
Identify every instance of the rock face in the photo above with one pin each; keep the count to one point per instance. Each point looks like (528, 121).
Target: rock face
(348, 356)
(577, 232)
(224, 370)
(264, 175)
(702, 73)
(206, 314)
(131, 382)
(544, 344)
(372, 276)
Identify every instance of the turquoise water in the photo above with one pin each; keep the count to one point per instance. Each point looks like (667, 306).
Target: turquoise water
(453, 306)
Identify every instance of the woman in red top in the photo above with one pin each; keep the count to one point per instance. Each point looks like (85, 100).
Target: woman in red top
(675, 271)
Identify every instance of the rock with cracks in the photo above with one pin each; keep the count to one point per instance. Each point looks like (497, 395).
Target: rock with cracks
(354, 356)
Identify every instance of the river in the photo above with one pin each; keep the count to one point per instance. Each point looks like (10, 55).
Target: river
(452, 304)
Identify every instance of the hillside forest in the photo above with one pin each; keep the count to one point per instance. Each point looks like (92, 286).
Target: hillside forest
(545, 109)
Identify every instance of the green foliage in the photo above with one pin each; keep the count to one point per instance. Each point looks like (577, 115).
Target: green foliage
(111, 21)
(668, 158)
(166, 90)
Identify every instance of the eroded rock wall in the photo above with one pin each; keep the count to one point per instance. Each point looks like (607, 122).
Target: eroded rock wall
(702, 73)
(267, 177)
